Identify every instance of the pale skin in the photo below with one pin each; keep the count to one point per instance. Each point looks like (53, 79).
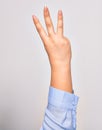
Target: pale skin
(58, 49)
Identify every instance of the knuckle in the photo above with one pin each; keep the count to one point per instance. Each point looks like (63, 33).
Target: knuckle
(48, 25)
(60, 26)
(39, 30)
(65, 42)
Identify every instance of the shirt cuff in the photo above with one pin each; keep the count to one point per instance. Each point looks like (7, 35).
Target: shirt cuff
(62, 99)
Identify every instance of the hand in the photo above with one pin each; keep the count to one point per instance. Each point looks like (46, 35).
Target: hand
(56, 45)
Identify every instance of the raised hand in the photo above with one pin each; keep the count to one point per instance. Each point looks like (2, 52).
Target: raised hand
(56, 45)
(58, 49)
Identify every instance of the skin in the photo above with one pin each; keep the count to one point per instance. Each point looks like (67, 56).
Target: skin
(58, 49)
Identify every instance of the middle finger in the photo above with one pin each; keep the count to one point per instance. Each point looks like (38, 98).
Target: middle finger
(48, 21)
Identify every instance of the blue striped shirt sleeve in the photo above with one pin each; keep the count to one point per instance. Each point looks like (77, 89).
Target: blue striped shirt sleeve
(60, 113)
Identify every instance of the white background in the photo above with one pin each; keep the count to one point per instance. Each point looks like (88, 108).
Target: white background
(25, 69)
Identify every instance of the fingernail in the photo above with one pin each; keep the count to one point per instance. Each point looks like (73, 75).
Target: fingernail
(33, 16)
(60, 12)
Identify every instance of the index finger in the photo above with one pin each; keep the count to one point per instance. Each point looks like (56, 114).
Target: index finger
(39, 28)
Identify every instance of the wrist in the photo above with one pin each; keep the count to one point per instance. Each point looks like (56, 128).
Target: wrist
(61, 78)
(61, 67)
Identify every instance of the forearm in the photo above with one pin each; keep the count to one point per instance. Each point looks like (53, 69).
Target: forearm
(61, 78)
